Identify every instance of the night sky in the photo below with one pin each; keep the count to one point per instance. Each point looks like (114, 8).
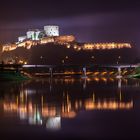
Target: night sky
(92, 21)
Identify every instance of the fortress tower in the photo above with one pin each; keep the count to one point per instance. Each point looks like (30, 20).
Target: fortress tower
(51, 30)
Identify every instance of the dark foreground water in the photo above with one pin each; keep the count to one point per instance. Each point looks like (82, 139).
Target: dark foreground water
(70, 109)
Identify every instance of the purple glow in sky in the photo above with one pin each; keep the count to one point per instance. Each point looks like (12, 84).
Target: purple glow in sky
(92, 21)
(105, 27)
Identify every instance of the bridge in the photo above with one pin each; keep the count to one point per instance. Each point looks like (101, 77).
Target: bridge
(122, 66)
(88, 65)
(82, 68)
(119, 67)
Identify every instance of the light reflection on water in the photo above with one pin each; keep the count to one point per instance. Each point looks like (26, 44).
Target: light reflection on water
(46, 102)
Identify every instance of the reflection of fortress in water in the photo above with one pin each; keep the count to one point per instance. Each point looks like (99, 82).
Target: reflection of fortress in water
(49, 105)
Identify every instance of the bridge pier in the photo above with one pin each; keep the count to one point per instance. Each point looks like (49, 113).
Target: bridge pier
(119, 83)
(85, 83)
(119, 73)
(51, 72)
(84, 73)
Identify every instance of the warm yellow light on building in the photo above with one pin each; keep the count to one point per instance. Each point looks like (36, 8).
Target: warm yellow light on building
(66, 57)
(25, 62)
(91, 46)
(68, 46)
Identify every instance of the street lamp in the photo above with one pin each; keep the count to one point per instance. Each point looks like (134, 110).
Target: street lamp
(92, 58)
(118, 60)
(63, 61)
(43, 59)
(66, 57)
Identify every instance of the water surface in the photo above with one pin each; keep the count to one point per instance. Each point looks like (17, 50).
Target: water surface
(70, 108)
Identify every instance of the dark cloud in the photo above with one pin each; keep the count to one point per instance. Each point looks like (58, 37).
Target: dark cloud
(24, 9)
(87, 27)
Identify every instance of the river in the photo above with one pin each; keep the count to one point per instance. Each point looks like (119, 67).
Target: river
(70, 108)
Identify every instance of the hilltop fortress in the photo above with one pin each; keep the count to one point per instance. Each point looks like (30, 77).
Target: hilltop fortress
(50, 34)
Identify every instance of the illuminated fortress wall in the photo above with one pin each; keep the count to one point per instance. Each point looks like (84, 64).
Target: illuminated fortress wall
(91, 46)
(30, 34)
(33, 34)
(67, 41)
(51, 30)
(46, 40)
(8, 47)
(22, 38)
(65, 38)
(50, 34)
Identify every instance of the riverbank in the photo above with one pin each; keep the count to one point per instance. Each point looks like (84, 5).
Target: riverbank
(136, 74)
(11, 76)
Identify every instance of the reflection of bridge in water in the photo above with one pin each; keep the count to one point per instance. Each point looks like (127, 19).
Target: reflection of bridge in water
(38, 105)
